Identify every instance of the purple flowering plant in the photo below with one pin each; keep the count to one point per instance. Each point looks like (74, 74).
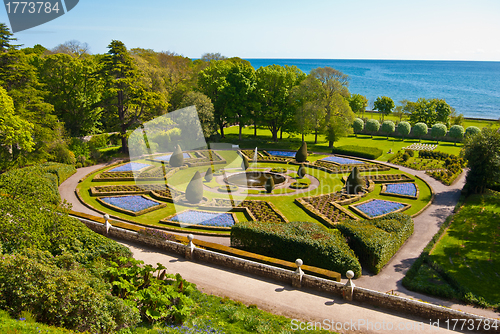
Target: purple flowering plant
(204, 218)
(131, 203)
(378, 207)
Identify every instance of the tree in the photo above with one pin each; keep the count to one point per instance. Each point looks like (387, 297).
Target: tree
(6, 39)
(438, 130)
(404, 129)
(384, 104)
(212, 81)
(472, 131)
(429, 111)
(274, 84)
(358, 103)
(388, 127)
(358, 125)
(75, 90)
(205, 110)
(307, 99)
(194, 190)
(301, 155)
(73, 48)
(420, 129)
(457, 132)
(212, 56)
(338, 125)
(13, 130)
(372, 125)
(126, 100)
(482, 152)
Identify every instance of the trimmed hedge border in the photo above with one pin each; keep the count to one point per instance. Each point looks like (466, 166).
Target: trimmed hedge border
(358, 151)
(132, 213)
(327, 249)
(365, 216)
(383, 191)
(375, 241)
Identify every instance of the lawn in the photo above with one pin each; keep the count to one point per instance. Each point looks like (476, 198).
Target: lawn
(469, 251)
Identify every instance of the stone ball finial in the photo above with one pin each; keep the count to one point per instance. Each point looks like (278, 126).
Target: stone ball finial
(190, 237)
(106, 216)
(299, 262)
(349, 274)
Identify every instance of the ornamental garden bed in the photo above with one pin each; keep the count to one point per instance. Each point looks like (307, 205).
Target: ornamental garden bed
(329, 213)
(343, 161)
(134, 205)
(151, 174)
(404, 190)
(131, 167)
(198, 219)
(384, 178)
(125, 189)
(286, 154)
(376, 208)
(337, 168)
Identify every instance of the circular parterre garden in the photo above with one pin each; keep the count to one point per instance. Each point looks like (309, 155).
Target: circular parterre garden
(149, 190)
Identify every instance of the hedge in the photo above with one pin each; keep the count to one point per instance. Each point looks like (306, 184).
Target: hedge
(375, 241)
(315, 245)
(358, 151)
(62, 171)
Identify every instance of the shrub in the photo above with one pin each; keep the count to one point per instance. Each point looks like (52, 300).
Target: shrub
(375, 241)
(301, 155)
(388, 127)
(301, 172)
(67, 297)
(405, 157)
(404, 129)
(472, 131)
(177, 158)
(358, 151)
(354, 182)
(358, 125)
(244, 163)
(62, 171)
(411, 153)
(98, 141)
(372, 125)
(420, 129)
(315, 245)
(269, 186)
(79, 148)
(209, 175)
(194, 190)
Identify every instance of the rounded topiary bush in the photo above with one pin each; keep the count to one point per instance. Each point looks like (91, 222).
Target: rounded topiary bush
(209, 175)
(194, 190)
(301, 172)
(177, 158)
(420, 129)
(354, 182)
(301, 155)
(269, 186)
(358, 125)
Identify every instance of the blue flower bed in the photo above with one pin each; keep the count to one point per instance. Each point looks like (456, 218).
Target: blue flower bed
(408, 189)
(378, 207)
(282, 153)
(131, 166)
(204, 218)
(130, 203)
(166, 157)
(343, 161)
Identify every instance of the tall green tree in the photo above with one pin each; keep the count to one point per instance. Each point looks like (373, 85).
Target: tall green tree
(358, 103)
(205, 110)
(274, 84)
(126, 101)
(75, 90)
(384, 104)
(429, 112)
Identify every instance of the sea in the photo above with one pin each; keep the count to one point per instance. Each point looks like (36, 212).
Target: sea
(472, 88)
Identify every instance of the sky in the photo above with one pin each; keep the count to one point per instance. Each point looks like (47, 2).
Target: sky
(323, 29)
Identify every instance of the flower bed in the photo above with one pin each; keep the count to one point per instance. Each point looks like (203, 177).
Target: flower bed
(203, 218)
(376, 208)
(407, 190)
(149, 174)
(287, 154)
(383, 178)
(332, 167)
(278, 170)
(166, 157)
(420, 147)
(125, 189)
(133, 205)
(130, 167)
(343, 161)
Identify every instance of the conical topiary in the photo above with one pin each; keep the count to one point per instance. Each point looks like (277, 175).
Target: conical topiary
(209, 175)
(177, 158)
(194, 190)
(245, 164)
(301, 172)
(269, 185)
(301, 155)
(354, 182)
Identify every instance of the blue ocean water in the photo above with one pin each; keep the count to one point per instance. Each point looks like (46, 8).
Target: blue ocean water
(471, 87)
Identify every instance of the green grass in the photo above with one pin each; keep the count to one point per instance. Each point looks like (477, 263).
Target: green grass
(469, 251)
(26, 324)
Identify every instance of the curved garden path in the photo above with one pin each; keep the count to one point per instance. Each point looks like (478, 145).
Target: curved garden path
(311, 305)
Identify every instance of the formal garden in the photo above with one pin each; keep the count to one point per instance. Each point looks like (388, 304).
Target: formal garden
(225, 192)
